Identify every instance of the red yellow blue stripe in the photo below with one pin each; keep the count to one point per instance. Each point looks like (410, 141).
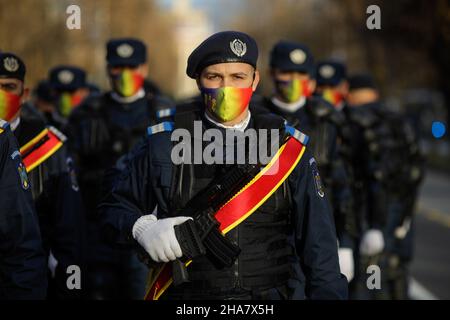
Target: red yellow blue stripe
(227, 103)
(9, 105)
(243, 204)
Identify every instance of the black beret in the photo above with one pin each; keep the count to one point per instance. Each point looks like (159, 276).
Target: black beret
(222, 47)
(361, 81)
(44, 91)
(67, 78)
(291, 56)
(126, 52)
(11, 66)
(330, 73)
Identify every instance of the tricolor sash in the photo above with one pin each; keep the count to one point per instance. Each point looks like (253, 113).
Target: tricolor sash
(242, 205)
(40, 148)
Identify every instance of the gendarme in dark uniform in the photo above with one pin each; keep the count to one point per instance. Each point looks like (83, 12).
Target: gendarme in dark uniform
(69, 88)
(293, 72)
(398, 170)
(101, 130)
(23, 264)
(293, 226)
(53, 184)
(107, 126)
(332, 86)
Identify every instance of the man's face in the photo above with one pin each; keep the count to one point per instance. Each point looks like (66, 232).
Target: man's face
(232, 74)
(10, 106)
(362, 96)
(334, 94)
(82, 92)
(292, 85)
(13, 86)
(227, 90)
(280, 75)
(342, 88)
(69, 100)
(127, 80)
(141, 69)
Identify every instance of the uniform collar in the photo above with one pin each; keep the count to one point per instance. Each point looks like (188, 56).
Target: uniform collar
(289, 107)
(140, 94)
(340, 106)
(14, 124)
(241, 126)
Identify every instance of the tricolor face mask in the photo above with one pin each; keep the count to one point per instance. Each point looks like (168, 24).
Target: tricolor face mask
(226, 103)
(9, 105)
(293, 90)
(332, 96)
(128, 82)
(67, 102)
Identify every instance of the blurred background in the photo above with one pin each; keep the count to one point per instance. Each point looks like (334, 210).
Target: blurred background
(409, 57)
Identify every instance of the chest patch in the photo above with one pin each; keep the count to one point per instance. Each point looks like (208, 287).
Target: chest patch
(25, 182)
(316, 176)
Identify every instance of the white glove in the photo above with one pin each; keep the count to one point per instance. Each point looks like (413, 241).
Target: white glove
(52, 263)
(158, 238)
(372, 243)
(346, 263)
(400, 232)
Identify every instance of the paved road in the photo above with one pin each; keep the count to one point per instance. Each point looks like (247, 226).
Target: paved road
(431, 266)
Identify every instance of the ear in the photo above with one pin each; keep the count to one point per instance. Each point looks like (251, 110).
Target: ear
(197, 81)
(83, 92)
(25, 95)
(256, 80)
(143, 70)
(312, 84)
(344, 88)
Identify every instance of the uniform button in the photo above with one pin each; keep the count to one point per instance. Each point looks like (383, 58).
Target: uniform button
(236, 273)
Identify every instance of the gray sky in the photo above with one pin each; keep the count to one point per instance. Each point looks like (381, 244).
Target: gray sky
(214, 8)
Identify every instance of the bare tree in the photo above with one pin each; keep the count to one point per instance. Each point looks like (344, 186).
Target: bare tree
(36, 30)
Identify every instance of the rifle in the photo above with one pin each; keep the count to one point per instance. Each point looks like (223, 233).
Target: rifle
(202, 236)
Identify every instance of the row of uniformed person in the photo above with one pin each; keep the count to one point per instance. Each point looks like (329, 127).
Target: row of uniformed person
(360, 193)
(68, 135)
(46, 174)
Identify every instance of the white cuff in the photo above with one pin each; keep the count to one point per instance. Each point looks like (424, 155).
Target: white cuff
(142, 224)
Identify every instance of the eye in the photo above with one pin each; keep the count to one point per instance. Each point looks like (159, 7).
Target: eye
(238, 77)
(212, 77)
(9, 87)
(115, 70)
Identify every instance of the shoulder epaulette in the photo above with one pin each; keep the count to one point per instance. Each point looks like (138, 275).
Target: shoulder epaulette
(160, 127)
(57, 133)
(41, 147)
(167, 112)
(300, 136)
(3, 125)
